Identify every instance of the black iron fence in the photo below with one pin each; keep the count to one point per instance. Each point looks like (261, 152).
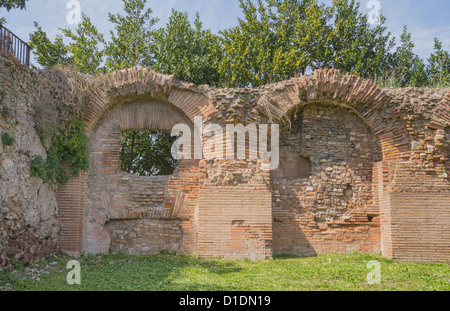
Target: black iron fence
(11, 44)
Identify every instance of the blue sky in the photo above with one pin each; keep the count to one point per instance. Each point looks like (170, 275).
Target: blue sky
(425, 19)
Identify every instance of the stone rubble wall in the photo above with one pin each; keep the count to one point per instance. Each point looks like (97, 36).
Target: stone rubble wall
(145, 236)
(332, 210)
(29, 225)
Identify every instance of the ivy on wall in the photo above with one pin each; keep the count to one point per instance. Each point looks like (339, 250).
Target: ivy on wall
(70, 146)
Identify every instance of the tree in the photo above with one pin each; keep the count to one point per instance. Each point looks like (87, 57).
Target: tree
(275, 40)
(439, 65)
(83, 53)
(84, 48)
(88, 52)
(147, 153)
(48, 54)
(13, 4)
(408, 68)
(356, 46)
(132, 38)
(278, 39)
(189, 52)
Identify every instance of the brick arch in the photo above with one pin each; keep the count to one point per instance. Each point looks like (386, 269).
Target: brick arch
(368, 110)
(361, 96)
(125, 85)
(137, 86)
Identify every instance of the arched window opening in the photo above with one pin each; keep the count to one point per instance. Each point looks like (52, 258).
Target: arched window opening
(147, 153)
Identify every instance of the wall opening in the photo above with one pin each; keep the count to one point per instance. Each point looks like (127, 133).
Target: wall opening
(147, 153)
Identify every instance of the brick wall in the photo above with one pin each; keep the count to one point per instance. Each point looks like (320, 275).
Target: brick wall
(234, 214)
(142, 195)
(366, 149)
(235, 222)
(415, 214)
(71, 215)
(112, 195)
(420, 226)
(181, 201)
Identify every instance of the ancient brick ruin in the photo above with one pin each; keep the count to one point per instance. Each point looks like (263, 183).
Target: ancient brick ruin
(362, 169)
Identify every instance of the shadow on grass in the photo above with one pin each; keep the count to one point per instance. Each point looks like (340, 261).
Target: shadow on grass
(120, 272)
(170, 272)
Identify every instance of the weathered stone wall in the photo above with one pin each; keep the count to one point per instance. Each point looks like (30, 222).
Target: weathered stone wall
(142, 193)
(332, 210)
(145, 236)
(29, 224)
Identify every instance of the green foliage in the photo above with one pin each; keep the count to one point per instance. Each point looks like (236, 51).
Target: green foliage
(332, 272)
(6, 112)
(7, 139)
(439, 65)
(275, 41)
(189, 52)
(88, 52)
(357, 47)
(86, 55)
(147, 153)
(13, 4)
(132, 37)
(48, 54)
(82, 53)
(49, 170)
(407, 68)
(278, 39)
(70, 146)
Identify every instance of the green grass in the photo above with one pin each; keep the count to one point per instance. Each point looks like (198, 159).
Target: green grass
(169, 273)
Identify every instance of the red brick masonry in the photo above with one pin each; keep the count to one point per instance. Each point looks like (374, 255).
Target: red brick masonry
(373, 172)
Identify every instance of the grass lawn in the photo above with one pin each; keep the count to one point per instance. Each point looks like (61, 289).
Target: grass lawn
(168, 273)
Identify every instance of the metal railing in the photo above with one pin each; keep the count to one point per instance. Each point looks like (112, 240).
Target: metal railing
(11, 44)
